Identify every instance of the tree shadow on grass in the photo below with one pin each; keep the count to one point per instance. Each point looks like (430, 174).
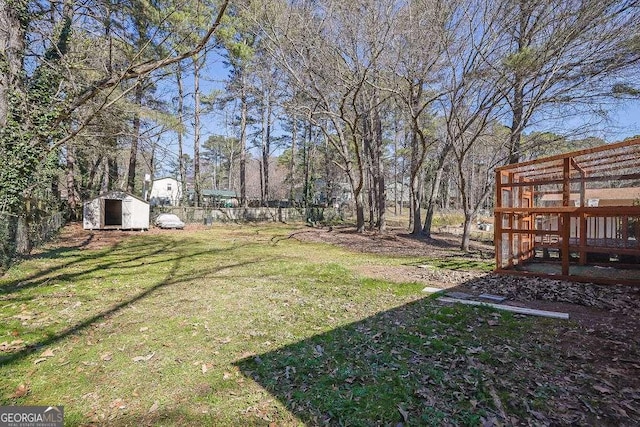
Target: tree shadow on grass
(417, 364)
(116, 255)
(424, 364)
(131, 253)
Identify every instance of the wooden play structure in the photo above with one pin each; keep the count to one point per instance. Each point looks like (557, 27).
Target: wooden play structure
(573, 216)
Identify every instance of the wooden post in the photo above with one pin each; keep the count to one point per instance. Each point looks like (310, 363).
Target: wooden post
(497, 222)
(566, 217)
(510, 220)
(583, 238)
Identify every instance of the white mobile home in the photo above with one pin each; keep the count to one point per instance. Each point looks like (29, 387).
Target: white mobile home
(116, 210)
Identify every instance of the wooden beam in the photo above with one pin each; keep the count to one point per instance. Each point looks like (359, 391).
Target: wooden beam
(589, 211)
(511, 308)
(536, 183)
(550, 210)
(600, 149)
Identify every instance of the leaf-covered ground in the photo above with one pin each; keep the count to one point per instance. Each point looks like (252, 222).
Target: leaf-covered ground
(235, 325)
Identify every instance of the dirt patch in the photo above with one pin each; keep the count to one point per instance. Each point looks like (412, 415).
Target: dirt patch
(74, 236)
(393, 242)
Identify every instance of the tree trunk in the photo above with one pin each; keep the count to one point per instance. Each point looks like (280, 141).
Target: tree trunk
(182, 169)
(515, 135)
(133, 154)
(395, 171)
(243, 143)
(379, 168)
(466, 231)
(359, 212)
(196, 131)
(416, 187)
(266, 149)
(435, 191)
(329, 178)
(306, 195)
(367, 132)
(72, 194)
(292, 163)
(112, 172)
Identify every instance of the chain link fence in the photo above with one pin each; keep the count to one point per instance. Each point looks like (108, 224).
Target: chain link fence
(17, 237)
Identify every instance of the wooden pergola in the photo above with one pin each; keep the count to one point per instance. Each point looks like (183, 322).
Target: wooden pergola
(571, 212)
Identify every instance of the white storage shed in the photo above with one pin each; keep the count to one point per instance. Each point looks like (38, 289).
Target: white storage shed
(116, 210)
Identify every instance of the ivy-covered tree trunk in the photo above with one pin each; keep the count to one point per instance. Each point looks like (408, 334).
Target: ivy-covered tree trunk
(14, 20)
(73, 199)
(29, 107)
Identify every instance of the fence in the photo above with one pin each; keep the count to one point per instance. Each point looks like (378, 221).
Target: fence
(209, 215)
(16, 238)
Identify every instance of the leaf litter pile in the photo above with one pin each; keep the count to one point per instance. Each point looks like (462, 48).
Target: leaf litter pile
(248, 326)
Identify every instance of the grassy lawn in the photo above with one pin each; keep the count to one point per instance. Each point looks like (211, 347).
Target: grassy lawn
(243, 326)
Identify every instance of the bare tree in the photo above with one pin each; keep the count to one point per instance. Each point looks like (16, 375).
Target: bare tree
(564, 57)
(329, 57)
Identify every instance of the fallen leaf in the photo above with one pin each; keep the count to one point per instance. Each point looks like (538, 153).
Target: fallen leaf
(116, 404)
(23, 316)
(106, 357)
(47, 353)
(154, 407)
(318, 350)
(21, 391)
(620, 411)
(205, 368)
(42, 359)
(405, 414)
(474, 350)
(602, 389)
(143, 358)
(144, 329)
(489, 423)
(226, 376)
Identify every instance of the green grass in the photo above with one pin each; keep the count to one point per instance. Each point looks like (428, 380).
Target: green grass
(243, 326)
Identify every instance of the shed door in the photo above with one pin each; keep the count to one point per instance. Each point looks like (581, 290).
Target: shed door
(127, 214)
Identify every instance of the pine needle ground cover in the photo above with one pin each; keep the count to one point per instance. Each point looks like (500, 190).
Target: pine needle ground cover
(247, 326)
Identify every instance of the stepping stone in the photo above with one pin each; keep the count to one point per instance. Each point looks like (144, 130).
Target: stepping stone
(431, 290)
(496, 298)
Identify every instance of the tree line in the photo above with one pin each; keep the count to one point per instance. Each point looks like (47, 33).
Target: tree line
(358, 96)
